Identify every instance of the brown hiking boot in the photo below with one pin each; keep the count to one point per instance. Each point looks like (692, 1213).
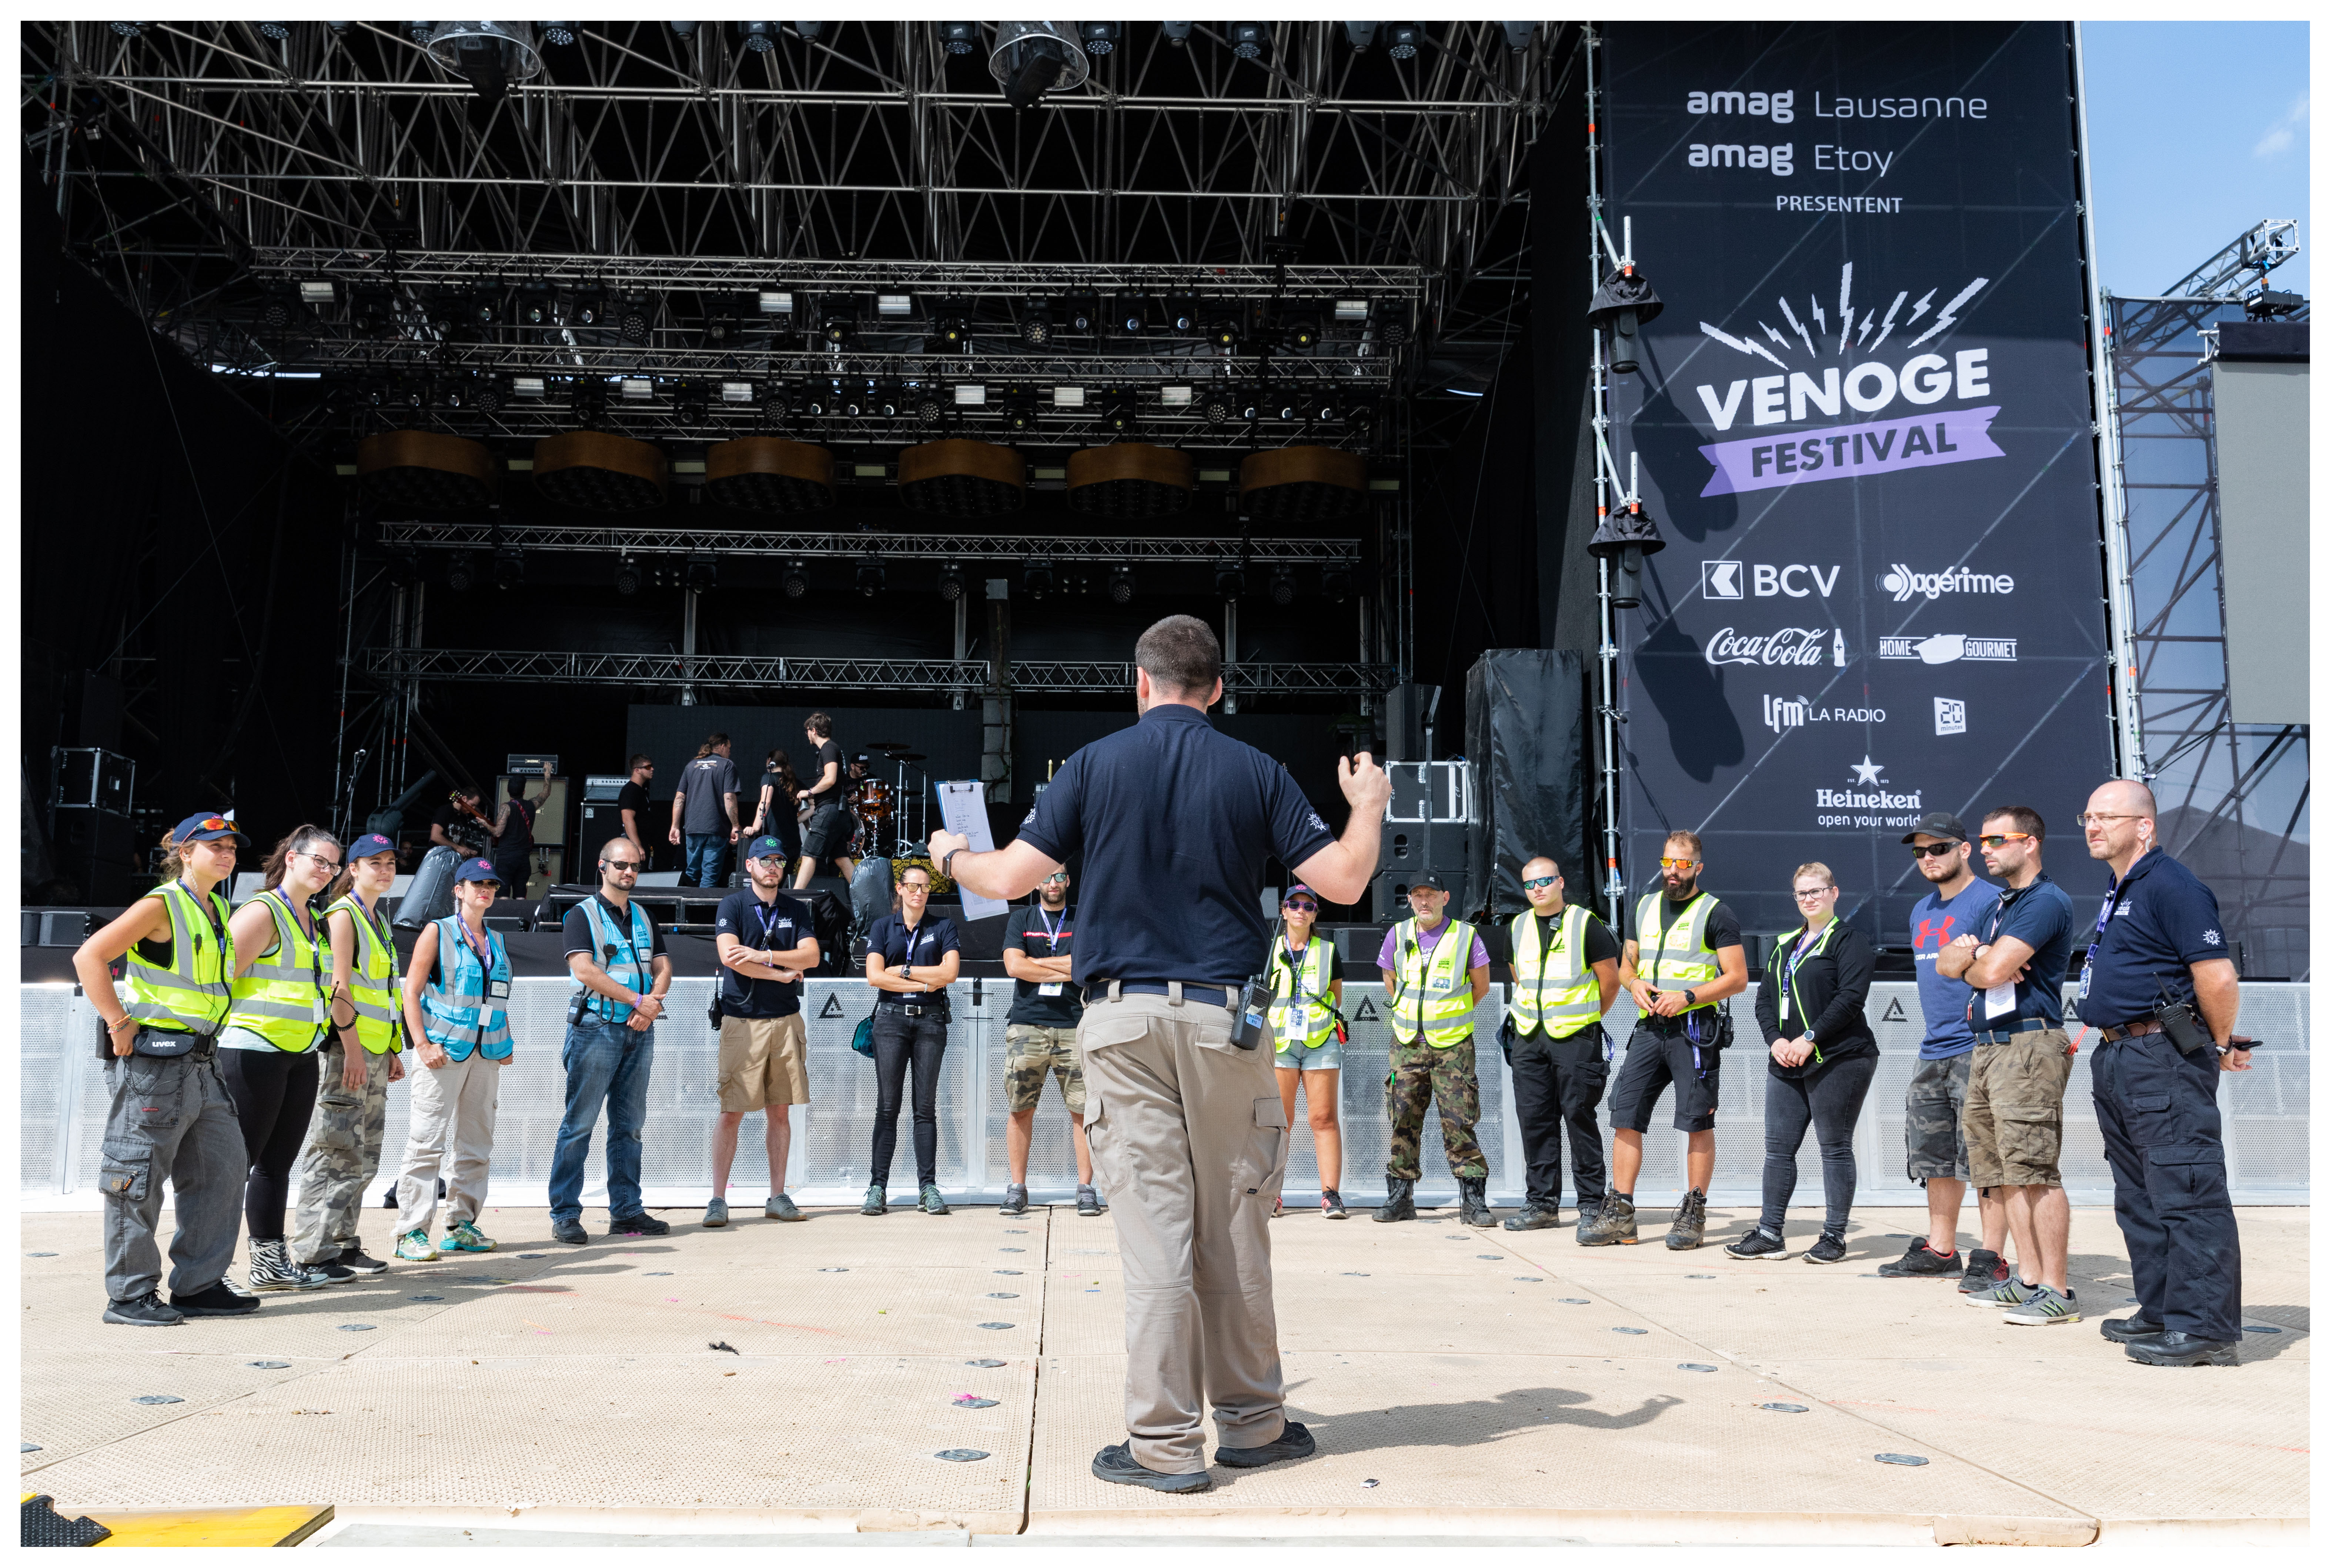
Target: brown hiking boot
(1690, 1221)
(1610, 1222)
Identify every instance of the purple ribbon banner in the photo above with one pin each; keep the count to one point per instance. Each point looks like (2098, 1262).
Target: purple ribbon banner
(1851, 452)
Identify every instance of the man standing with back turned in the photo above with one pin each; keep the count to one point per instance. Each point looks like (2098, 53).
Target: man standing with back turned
(1176, 823)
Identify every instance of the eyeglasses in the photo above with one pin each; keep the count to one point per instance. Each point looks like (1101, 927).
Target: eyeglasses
(330, 868)
(1533, 884)
(1300, 906)
(1056, 877)
(1932, 851)
(1813, 894)
(2098, 819)
(619, 865)
(914, 887)
(1666, 865)
(1993, 841)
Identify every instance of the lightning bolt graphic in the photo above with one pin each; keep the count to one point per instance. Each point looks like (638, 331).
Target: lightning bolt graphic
(1920, 307)
(1869, 319)
(1798, 327)
(1743, 345)
(1775, 336)
(1944, 321)
(1905, 294)
(1845, 308)
(1819, 320)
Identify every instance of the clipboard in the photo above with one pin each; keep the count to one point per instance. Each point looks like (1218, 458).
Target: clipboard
(963, 807)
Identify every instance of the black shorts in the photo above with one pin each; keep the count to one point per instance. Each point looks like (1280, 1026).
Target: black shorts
(1653, 1062)
(829, 832)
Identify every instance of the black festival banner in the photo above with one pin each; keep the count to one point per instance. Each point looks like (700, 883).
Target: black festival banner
(1865, 429)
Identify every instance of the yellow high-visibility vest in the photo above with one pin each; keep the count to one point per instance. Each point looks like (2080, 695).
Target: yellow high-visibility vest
(1436, 992)
(1299, 997)
(372, 978)
(192, 995)
(1554, 988)
(285, 997)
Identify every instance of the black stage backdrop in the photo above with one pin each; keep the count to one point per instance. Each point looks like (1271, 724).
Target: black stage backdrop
(1864, 425)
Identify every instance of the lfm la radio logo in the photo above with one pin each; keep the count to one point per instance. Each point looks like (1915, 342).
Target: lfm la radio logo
(1860, 381)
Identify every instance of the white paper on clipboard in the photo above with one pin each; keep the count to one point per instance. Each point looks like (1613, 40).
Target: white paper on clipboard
(963, 807)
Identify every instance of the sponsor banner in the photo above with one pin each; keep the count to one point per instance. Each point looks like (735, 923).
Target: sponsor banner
(1863, 419)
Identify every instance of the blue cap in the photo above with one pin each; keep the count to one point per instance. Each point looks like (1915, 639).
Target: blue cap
(478, 870)
(206, 825)
(371, 844)
(766, 847)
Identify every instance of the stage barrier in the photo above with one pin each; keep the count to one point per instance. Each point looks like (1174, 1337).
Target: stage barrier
(64, 1102)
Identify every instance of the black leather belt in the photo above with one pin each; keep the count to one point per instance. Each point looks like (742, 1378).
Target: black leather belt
(2120, 1031)
(1212, 996)
(2006, 1035)
(911, 1009)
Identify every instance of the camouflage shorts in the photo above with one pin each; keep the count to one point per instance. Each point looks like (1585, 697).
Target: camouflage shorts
(1031, 1050)
(1933, 1119)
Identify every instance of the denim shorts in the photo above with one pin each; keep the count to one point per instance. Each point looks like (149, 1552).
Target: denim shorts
(1327, 1056)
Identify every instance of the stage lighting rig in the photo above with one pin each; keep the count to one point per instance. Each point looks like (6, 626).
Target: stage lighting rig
(1250, 39)
(488, 55)
(1178, 33)
(627, 577)
(587, 307)
(870, 577)
(1120, 584)
(1392, 324)
(691, 405)
(1019, 412)
(809, 31)
(959, 37)
(1218, 408)
(560, 33)
(1033, 58)
(1131, 315)
(373, 313)
(760, 37)
(129, 29)
(276, 32)
(1229, 579)
(462, 572)
(1402, 39)
(280, 310)
(951, 584)
(486, 311)
(536, 307)
(1225, 334)
(952, 333)
(1181, 315)
(587, 398)
(1100, 37)
(930, 405)
(1119, 409)
(1037, 579)
(836, 322)
(510, 567)
(795, 582)
(1625, 536)
(486, 395)
(1518, 35)
(1300, 332)
(1361, 34)
(703, 573)
(1036, 324)
(1335, 582)
(1282, 587)
(1625, 302)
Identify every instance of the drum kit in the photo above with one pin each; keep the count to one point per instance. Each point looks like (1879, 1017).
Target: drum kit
(891, 817)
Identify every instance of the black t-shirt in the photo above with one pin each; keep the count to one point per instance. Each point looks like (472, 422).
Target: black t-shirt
(518, 830)
(1176, 824)
(633, 798)
(827, 752)
(782, 821)
(933, 940)
(1028, 929)
(580, 938)
(774, 927)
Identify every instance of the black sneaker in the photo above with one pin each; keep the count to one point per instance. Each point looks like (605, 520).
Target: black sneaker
(146, 1311)
(1295, 1443)
(1117, 1463)
(1758, 1243)
(1830, 1249)
(1984, 1271)
(1331, 1204)
(641, 1224)
(352, 1257)
(1920, 1261)
(570, 1231)
(2178, 1348)
(333, 1270)
(221, 1300)
(1535, 1217)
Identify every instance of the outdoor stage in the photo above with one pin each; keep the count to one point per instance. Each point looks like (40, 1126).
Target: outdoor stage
(1465, 1383)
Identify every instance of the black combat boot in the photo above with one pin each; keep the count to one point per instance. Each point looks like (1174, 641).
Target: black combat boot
(1473, 1201)
(1399, 1202)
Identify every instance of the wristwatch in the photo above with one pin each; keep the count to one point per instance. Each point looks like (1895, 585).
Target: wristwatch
(947, 859)
(1691, 998)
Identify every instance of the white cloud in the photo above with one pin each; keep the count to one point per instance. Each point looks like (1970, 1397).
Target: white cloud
(2280, 137)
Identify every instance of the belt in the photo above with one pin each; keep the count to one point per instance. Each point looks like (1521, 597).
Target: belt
(2006, 1034)
(911, 1009)
(1212, 996)
(2124, 1031)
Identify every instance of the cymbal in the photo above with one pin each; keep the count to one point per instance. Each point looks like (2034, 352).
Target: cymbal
(886, 746)
(911, 757)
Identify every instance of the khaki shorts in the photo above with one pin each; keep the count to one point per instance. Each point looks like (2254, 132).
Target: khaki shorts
(1031, 1050)
(2015, 1111)
(764, 1062)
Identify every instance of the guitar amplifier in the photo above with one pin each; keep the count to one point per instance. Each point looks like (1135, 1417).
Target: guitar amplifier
(604, 786)
(521, 762)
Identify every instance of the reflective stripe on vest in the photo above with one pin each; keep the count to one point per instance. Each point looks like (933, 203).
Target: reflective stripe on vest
(624, 957)
(194, 993)
(284, 996)
(455, 1010)
(1436, 993)
(372, 978)
(1554, 987)
(1677, 958)
(1301, 1020)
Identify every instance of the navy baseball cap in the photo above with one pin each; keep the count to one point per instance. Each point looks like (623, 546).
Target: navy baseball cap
(478, 870)
(204, 826)
(1938, 825)
(371, 844)
(1298, 890)
(767, 847)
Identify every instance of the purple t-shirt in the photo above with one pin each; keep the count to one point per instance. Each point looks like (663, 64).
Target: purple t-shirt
(1388, 961)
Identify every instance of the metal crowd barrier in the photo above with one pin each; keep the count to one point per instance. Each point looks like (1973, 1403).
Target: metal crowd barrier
(64, 1102)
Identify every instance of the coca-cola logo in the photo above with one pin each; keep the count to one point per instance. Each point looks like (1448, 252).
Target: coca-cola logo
(1803, 646)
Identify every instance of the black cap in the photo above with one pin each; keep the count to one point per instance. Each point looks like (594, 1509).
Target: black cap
(1938, 825)
(1432, 879)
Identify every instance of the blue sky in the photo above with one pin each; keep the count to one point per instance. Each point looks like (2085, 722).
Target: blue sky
(2199, 129)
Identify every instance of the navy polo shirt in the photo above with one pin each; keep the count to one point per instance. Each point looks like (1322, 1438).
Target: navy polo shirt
(1176, 824)
(2039, 916)
(2158, 920)
(928, 943)
(773, 926)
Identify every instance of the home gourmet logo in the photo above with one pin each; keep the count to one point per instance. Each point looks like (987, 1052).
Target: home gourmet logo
(1948, 648)
(1864, 383)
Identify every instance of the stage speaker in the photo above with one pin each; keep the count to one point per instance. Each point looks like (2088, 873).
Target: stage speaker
(95, 852)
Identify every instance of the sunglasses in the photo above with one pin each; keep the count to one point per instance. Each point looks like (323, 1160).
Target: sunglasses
(1534, 883)
(1300, 906)
(214, 824)
(619, 865)
(1931, 852)
(1993, 841)
(1665, 865)
(1056, 877)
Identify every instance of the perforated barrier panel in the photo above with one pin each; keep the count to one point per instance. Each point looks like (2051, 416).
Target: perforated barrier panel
(64, 1099)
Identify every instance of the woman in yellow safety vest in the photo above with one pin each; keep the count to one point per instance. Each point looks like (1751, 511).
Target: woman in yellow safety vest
(267, 1054)
(360, 1060)
(1307, 990)
(170, 1119)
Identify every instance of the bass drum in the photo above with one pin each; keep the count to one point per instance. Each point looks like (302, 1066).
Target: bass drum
(429, 895)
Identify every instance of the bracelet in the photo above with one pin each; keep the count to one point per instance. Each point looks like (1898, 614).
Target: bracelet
(125, 1018)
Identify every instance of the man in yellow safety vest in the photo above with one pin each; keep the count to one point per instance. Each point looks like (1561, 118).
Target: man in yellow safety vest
(1434, 971)
(1566, 969)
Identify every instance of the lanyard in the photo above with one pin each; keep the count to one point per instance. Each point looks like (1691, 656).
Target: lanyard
(1807, 946)
(767, 915)
(209, 913)
(482, 945)
(1053, 927)
(315, 949)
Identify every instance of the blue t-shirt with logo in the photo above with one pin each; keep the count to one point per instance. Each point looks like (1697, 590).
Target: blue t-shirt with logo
(1934, 924)
(2041, 916)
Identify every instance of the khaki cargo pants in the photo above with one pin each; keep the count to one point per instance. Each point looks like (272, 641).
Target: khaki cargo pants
(1189, 1140)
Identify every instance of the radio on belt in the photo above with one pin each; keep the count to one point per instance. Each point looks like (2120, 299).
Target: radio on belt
(1252, 1024)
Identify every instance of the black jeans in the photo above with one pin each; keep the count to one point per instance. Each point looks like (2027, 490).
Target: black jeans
(1829, 1098)
(1558, 1082)
(900, 1042)
(275, 1093)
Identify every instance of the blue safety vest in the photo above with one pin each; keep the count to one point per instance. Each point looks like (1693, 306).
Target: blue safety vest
(624, 956)
(466, 1006)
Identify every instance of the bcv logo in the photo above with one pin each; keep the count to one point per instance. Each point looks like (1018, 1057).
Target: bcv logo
(1742, 579)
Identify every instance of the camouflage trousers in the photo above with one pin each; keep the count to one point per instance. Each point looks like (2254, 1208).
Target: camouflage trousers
(1440, 1076)
(340, 1156)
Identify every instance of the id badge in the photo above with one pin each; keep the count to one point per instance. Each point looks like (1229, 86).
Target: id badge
(1999, 1000)
(323, 1009)
(499, 990)
(1052, 987)
(2081, 992)
(1299, 1019)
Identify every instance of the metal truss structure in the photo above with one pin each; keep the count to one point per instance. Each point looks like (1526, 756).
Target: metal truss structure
(2234, 795)
(676, 172)
(943, 677)
(939, 549)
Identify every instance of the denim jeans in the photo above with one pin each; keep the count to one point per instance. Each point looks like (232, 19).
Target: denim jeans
(902, 1042)
(708, 857)
(606, 1064)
